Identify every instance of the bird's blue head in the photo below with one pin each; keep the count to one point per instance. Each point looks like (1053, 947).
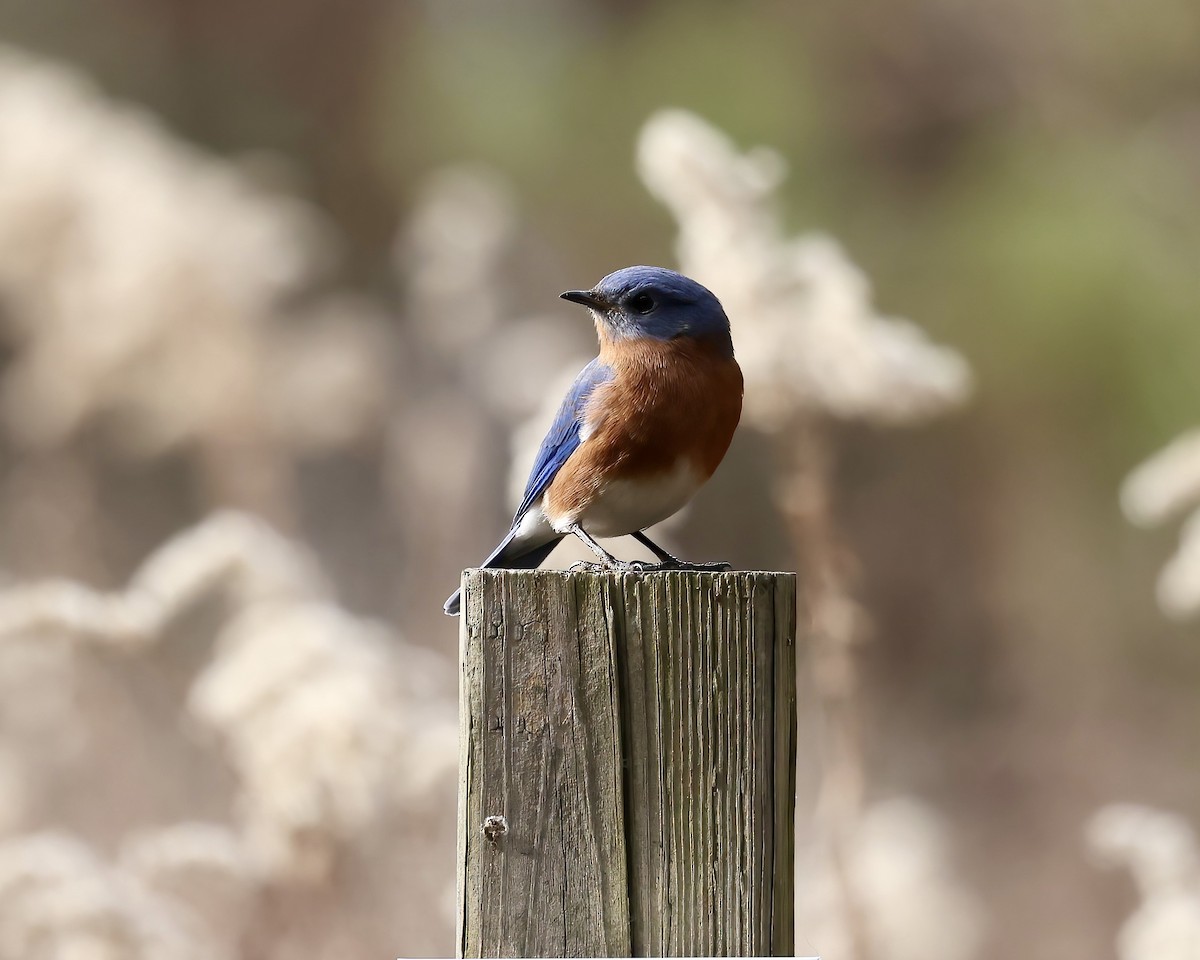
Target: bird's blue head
(654, 302)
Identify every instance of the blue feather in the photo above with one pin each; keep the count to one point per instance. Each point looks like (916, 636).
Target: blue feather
(562, 439)
(560, 442)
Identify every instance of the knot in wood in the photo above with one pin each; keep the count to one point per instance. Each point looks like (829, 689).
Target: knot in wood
(494, 828)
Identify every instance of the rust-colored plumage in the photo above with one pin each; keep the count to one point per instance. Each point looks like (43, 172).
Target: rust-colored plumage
(669, 402)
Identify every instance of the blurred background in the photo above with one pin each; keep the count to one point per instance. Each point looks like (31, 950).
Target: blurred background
(278, 328)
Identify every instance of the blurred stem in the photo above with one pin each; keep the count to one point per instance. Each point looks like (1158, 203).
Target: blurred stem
(805, 496)
(244, 468)
(52, 516)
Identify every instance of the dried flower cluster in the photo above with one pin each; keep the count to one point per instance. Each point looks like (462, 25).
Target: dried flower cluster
(806, 332)
(308, 704)
(228, 552)
(143, 287)
(326, 720)
(1166, 486)
(1159, 849)
(58, 899)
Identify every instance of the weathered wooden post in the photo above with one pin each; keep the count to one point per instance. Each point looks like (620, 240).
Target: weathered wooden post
(627, 774)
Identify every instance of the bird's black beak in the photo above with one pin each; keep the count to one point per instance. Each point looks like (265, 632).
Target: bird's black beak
(586, 297)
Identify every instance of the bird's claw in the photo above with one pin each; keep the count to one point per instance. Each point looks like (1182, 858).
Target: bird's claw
(618, 566)
(587, 566)
(643, 566)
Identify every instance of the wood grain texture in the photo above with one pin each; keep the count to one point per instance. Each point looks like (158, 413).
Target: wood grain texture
(636, 733)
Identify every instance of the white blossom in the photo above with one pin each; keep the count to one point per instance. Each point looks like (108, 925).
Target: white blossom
(1164, 486)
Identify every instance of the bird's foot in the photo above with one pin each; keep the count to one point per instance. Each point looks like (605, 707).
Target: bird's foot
(719, 566)
(643, 566)
(617, 566)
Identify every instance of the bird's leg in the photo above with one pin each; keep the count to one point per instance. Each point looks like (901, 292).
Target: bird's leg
(670, 562)
(667, 559)
(607, 560)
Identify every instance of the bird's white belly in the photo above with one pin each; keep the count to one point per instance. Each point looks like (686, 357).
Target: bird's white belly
(625, 506)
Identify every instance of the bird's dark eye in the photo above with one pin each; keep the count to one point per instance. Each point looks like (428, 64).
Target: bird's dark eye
(641, 303)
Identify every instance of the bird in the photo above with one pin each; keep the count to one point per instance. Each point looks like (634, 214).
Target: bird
(642, 428)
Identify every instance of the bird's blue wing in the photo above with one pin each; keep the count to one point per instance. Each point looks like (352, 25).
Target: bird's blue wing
(563, 437)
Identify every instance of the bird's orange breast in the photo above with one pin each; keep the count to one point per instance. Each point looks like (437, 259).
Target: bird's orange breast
(669, 401)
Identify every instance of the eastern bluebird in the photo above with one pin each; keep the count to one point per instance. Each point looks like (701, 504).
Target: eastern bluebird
(643, 426)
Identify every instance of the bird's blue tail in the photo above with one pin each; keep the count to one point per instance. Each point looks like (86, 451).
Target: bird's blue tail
(507, 556)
